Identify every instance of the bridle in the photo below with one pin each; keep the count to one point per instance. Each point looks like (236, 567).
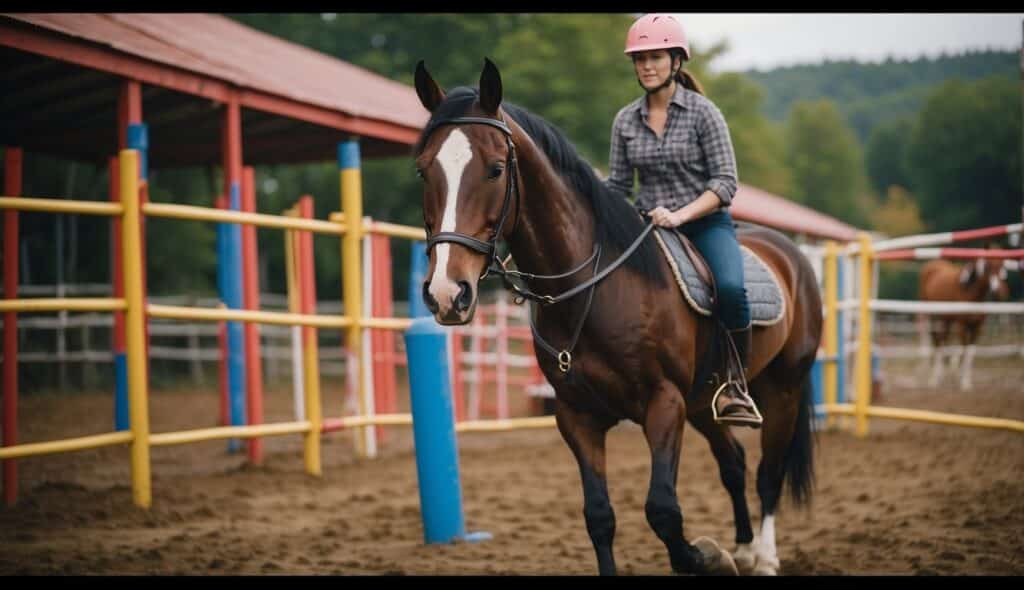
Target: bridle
(498, 267)
(490, 247)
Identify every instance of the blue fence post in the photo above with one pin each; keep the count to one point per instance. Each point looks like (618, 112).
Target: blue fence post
(817, 385)
(232, 297)
(433, 421)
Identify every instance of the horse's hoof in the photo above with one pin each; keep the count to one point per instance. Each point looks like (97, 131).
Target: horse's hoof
(717, 561)
(766, 567)
(745, 560)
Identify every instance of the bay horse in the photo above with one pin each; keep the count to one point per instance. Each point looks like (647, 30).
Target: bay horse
(977, 280)
(618, 343)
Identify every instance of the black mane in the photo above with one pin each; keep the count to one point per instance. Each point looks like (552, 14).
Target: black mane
(617, 222)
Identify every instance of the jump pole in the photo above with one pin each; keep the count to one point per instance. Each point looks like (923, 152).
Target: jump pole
(433, 422)
(351, 189)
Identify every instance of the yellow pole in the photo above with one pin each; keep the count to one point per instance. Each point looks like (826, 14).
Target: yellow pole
(864, 338)
(831, 328)
(134, 316)
(295, 306)
(305, 281)
(351, 258)
(311, 378)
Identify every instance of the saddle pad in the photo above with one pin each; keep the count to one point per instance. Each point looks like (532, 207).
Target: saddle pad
(764, 296)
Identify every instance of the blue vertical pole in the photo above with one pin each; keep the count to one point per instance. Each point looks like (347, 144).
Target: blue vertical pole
(417, 274)
(138, 139)
(437, 460)
(236, 342)
(817, 385)
(433, 422)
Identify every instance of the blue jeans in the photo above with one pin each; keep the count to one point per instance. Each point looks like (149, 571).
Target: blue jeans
(715, 239)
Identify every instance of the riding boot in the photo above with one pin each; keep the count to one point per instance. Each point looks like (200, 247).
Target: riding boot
(732, 402)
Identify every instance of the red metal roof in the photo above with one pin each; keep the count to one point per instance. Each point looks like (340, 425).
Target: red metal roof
(201, 54)
(218, 47)
(759, 206)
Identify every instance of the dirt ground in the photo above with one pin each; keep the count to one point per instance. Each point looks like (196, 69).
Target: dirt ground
(911, 498)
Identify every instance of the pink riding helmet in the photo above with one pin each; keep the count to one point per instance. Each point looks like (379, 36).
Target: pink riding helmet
(657, 31)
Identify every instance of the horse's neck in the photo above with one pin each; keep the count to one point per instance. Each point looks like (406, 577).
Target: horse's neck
(556, 230)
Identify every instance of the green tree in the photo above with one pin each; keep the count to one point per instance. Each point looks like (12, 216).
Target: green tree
(885, 155)
(965, 155)
(826, 161)
(898, 215)
(570, 69)
(759, 144)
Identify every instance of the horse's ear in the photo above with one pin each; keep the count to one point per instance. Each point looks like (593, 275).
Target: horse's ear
(429, 92)
(490, 88)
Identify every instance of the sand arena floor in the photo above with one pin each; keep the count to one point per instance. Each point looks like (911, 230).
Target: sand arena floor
(910, 499)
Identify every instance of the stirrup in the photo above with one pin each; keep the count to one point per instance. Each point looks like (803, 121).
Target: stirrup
(737, 420)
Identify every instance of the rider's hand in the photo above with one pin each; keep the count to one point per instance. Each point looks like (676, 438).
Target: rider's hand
(663, 217)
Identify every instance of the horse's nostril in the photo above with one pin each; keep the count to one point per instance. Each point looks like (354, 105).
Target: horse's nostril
(465, 298)
(428, 299)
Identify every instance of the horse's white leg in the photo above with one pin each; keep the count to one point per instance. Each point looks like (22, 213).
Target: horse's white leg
(764, 548)
(956, 359)
(965, 368)
(936, 367)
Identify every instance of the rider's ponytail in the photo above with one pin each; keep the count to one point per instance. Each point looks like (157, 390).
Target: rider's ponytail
(688, 81)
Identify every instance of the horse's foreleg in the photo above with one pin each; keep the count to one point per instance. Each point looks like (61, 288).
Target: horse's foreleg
(585, 436)
(732, 468)
(663, 428)
(969, 335)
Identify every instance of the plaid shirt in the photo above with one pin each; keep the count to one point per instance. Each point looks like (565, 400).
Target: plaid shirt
(693, 155)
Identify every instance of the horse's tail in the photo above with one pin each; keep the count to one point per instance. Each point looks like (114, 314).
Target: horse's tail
(799, 459)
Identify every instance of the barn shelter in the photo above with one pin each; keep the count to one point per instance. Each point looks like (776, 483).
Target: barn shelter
(73, 82)
(211, 89)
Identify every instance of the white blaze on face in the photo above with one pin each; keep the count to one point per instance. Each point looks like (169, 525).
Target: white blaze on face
(993, 284)
(454, 155)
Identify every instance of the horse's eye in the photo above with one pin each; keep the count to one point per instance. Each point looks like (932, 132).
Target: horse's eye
(495, 172)
(419, 172)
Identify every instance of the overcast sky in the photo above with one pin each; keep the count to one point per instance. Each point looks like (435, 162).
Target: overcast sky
(767, 40)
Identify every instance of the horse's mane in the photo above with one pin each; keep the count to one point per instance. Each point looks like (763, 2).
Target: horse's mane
(617, 222)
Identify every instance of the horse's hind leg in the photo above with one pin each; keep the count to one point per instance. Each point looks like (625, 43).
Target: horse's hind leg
(780, 410)
(732, 468)
(663, 428)
(585, 436)
(940, 329)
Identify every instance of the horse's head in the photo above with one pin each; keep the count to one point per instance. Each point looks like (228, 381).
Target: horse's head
(466, 160)
(987, 277)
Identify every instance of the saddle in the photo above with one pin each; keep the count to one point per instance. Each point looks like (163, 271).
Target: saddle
(697, 286)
